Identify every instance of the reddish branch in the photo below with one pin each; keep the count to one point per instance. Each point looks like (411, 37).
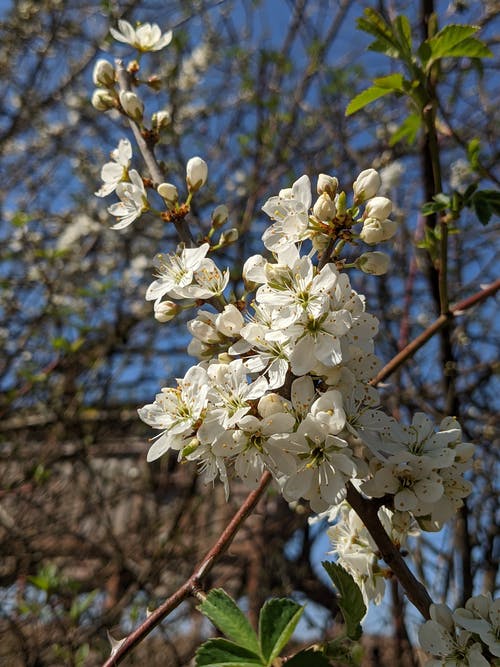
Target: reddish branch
(194, 584)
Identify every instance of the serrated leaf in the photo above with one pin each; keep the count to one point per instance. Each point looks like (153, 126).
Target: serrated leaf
(308, 658)
(374, 24)
(277, 621)
(223, 653)
(456, 41)
(229, 619)
(366, 97)
(350, 599)
(407, 130)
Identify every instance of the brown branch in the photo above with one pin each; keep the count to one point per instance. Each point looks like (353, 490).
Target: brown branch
(426, 335)
(367, 511)
(193, 585)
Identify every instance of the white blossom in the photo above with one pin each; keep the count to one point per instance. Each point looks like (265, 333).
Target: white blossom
(133, 201)
(115, 171)
(146, 37)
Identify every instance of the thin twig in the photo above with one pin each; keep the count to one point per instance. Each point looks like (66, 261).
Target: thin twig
(426, 335)
(193, 585)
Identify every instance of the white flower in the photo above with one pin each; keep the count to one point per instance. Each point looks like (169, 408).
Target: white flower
(133, 201)
(230, 321)
(175, 272)
(324, 464)
(454, 647)
(481, 616)
(147, 37)
(210, 281)
(176, 412)
(291, 215)
(196, 173)
(114, 172)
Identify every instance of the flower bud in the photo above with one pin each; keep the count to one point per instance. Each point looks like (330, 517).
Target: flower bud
(219, 216)
(378, 207)
(366, 185)
(168, 192)
(324, 208)
(229, 237)
(196, 173)
(160, 120)
(230, 321)
(102, 100)
(166, 310)
(375, 263)
(328, 184)
(132, 105)
(372, 231)
(103, 74)
(272, 403)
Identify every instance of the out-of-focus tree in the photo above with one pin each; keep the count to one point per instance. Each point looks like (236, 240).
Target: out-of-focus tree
(90, 533)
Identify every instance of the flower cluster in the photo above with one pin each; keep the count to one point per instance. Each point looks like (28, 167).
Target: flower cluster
(282, 382)
(468, 637)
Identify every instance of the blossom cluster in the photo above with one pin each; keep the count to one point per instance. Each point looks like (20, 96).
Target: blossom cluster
(466, 637)
(282, 379)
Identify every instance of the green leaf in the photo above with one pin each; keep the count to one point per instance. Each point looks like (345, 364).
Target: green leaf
(308, 658)
(486, 203)
(393, 82)
(366, 97)
(402, 30)
(229, 619)
(223, 653)
(277, 621)
(374, 24)
(350, 598)
(473, 149)
(456, 41)
(408, 130)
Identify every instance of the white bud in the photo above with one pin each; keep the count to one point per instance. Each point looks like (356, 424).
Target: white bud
(378, 207)
(254, 271)
(102, 100)
(272, 403)
(160, 120)
(132, 105)
(324, 208)
(328, 184)
(372, 231)
(168, 192)
(103, 74)
(376, 231)
(366, 185)
(286, 193)
(203, 327)
(375, 263)
(196, 173)
(228, 237)
(230, 321)
(219, 216)
(165, 310)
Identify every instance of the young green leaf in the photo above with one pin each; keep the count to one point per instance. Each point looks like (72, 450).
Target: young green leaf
(408, 130)
(229, 619)
(223, 653)
(350, 599)
(277, 621)
(456, 41)
(374, 24)
(366, 97)
(308, 658)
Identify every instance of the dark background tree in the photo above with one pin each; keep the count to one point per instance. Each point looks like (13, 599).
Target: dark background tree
(90, 534)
